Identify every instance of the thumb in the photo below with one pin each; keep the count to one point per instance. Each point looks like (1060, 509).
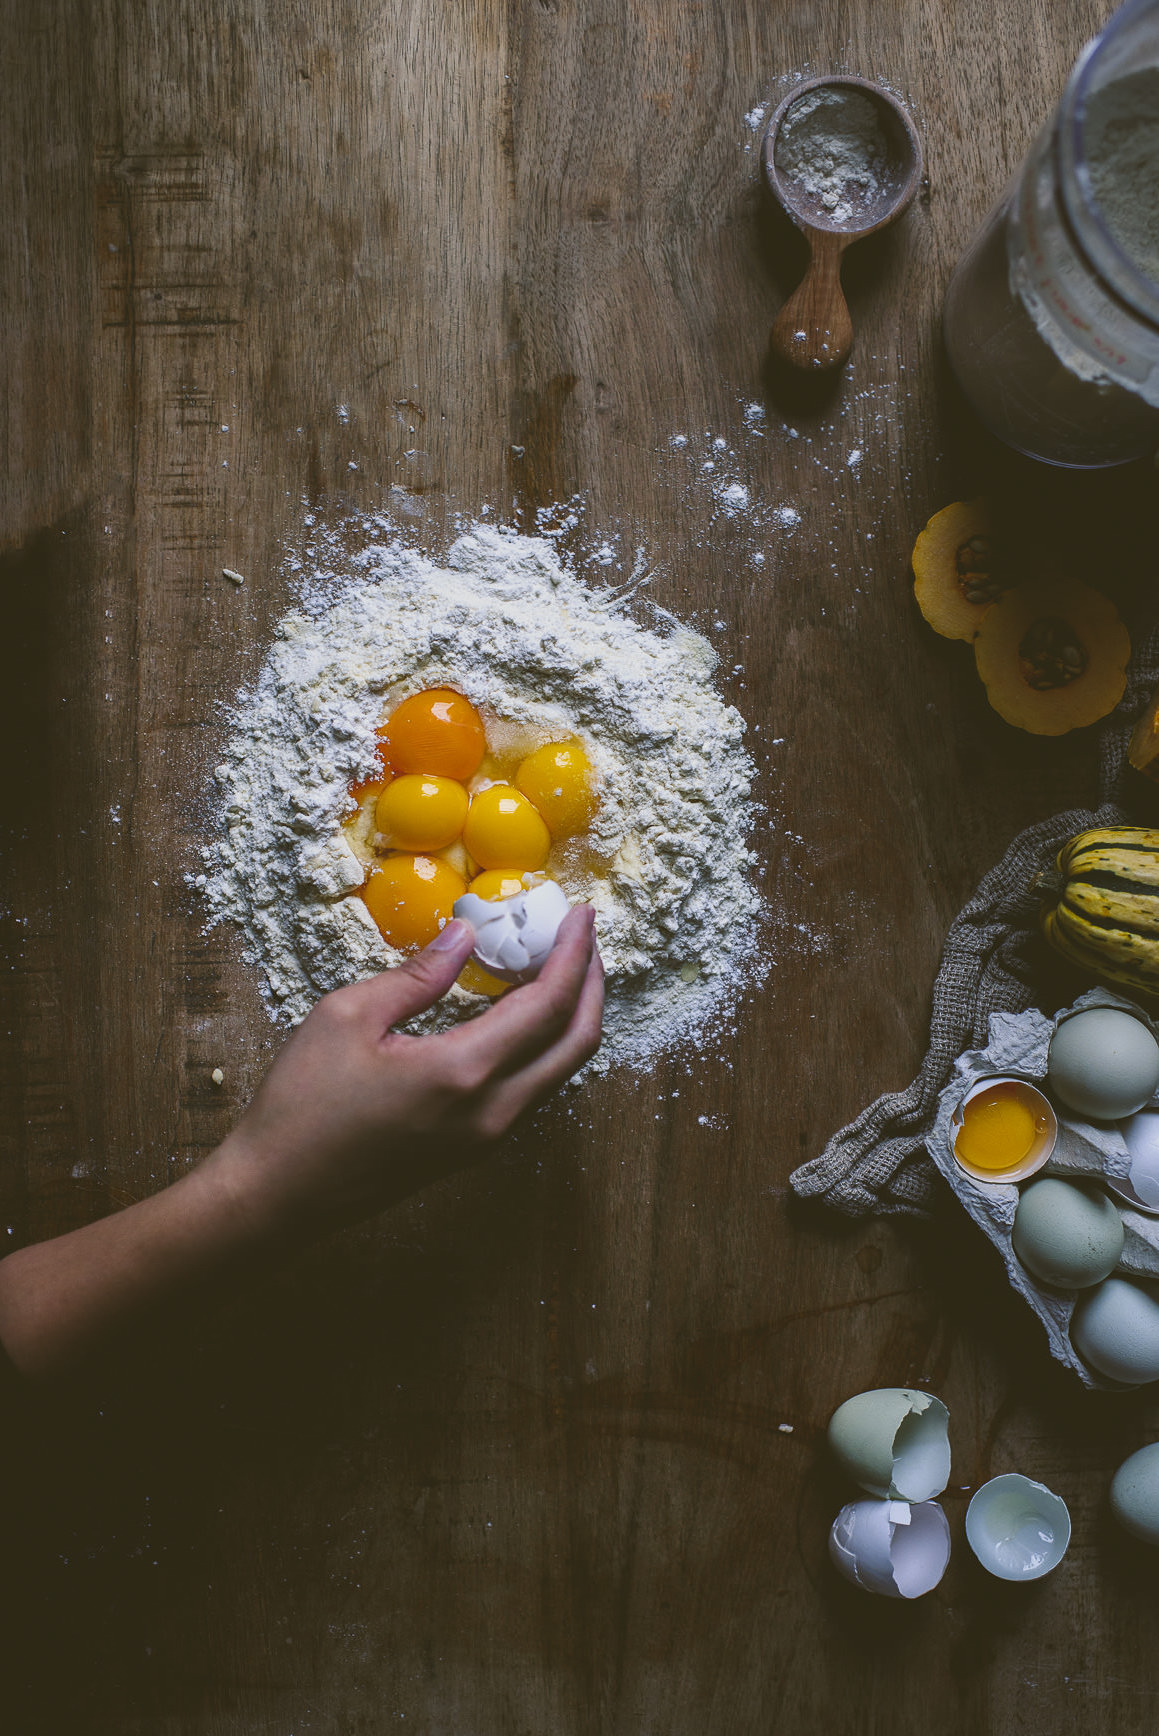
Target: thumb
(423, 979)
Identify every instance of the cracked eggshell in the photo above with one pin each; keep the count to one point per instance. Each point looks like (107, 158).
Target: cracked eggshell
(1018, 1529)
(513, 936)
(892, 1548)
(894, 1442)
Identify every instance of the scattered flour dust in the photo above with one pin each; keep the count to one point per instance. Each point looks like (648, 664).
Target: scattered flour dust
(667, 862)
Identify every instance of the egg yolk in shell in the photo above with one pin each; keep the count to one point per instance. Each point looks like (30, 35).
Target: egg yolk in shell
(493, 883)
(411, 898)
(503, 830)
(498, 883)
(437, 732)
(999, 1128)
(558, 780)
(421, 812)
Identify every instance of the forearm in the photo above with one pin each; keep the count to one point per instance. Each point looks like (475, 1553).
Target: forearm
(61, 1300)
(352, 1117)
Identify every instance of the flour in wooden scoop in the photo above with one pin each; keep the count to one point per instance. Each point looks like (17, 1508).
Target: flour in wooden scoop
(666, 861)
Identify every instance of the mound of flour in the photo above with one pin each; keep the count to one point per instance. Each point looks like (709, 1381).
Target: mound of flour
(666, 862)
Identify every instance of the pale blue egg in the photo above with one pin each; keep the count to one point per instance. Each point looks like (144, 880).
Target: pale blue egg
(1104, 1063)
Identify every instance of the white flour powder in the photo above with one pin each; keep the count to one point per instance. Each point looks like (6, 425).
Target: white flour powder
(666, 862)
(830, 144)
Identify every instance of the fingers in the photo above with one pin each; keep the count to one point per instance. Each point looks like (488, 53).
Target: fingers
(544, 1075)
(416, 985)
(528, 1021)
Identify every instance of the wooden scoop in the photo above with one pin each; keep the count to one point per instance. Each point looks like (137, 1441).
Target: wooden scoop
(813, 329)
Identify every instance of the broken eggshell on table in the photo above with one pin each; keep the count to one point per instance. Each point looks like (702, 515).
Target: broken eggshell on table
(1018, 1529)
(894, 1442)
(891, 1547)
(513, 936)
(1085, 1152)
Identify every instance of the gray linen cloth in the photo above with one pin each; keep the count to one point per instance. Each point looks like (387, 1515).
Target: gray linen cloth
(879, 1163)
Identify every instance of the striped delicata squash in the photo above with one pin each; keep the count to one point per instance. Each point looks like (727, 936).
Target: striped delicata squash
(1102, 909)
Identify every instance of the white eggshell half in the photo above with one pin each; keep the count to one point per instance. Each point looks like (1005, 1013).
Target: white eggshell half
(894, 1442)
(1141, 1133)
(1116, 1329)
(1017, 1528)
(513, 936)
(1103, 1062)
(891, 1547)
(1065, 1235)
(1135, 1493)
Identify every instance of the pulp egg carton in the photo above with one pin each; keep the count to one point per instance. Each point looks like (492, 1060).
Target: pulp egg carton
(1083, 1152)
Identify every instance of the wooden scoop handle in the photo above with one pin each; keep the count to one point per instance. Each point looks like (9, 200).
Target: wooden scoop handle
(813, 329)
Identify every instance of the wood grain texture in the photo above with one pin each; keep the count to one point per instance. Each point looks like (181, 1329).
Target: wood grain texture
(510, 1460)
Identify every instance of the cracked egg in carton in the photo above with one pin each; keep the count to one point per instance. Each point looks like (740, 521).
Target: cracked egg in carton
(1117, 1322)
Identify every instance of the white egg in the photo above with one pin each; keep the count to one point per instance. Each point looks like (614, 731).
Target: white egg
(1065, 1235)
(1116, 1329)
(1103, 1062)
(1135, 1493)
(1017, 1528)
(1142, 1136)
(513, 936)
(894, 1442)
(891, 1547)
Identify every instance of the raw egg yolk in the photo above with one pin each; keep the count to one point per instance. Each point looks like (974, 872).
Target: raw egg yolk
(503, 830)
(411, 897)
(480, 981)
(437, 731)
(558, 779)
(998, 1129)
(421, 813)
(497, 883)
(359, 792)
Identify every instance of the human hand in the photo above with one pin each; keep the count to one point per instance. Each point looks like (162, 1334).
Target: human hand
(354, 1114)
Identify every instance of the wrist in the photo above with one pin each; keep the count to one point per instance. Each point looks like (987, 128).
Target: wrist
(252, 1197)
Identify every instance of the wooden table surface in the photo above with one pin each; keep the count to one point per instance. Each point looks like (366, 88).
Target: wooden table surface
(515, 1459)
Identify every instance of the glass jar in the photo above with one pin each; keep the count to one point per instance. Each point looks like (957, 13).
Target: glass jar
(1051, 319)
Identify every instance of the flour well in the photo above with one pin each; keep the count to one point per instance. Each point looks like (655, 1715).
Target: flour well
(667, 862)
